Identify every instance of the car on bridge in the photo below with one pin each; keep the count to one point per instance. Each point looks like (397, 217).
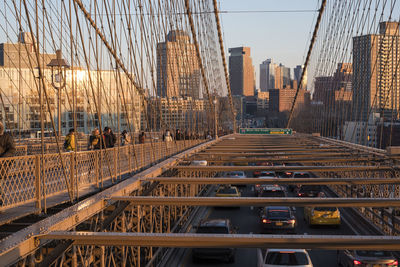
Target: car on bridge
(322, 216)
(236, 174)
(308, 191)
(215, 226)
(266, 175)
(278, 218)
(283, 257)
(227, 191)
(263, 163)
(297, 175)
(349, 258)
(271, 191)
(286, 174)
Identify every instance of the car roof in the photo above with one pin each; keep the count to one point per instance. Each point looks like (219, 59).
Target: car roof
(272, 187)
(286, 250)
(226, 186)
(215, 222)
(278, 207)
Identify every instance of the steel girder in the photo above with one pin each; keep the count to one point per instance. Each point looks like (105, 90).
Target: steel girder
(298, 181)
(331, 242)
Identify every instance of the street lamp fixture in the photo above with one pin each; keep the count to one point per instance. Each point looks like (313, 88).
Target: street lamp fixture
(215, 117)
(58, 68)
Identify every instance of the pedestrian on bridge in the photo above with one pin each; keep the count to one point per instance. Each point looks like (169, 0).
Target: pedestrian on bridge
(69, 143)
(109, 137)
(94, 140)
(7, 145)
(178, 136)
(167, 136)
(125, 138)
(142, 138)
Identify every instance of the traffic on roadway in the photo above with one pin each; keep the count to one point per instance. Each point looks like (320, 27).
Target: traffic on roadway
(277, 220)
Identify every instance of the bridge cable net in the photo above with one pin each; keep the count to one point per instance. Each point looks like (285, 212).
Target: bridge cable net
(129, 66)
(353, 75)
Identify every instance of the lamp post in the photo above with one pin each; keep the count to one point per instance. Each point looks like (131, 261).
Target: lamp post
(58, 76)
(215, 118)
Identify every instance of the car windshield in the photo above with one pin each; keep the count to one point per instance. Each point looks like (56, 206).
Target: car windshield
(281, 213)
(273, 193)
(212, 230)
(373, 253)
(227, 191)
(325, 209)
(286, 258)
(301, 175)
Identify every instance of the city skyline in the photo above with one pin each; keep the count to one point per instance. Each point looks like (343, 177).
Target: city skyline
(281, 43)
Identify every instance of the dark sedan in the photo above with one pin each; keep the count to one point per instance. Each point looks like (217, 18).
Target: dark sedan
(278, 218)
(366, 258)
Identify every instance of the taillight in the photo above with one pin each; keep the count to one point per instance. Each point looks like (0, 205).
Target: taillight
(266, 221)
(292, 221)
(356, 262)
(395, 263)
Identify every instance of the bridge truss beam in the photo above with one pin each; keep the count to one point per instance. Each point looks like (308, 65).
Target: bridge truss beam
(330, 242)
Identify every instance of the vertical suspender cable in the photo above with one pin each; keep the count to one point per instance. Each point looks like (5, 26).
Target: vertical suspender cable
(221, 46)
(321, 11)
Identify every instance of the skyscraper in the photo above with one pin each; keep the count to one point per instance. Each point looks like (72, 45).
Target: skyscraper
(267, 75)
(241, 71)
(297, 75)
(178, 73)
(282, 77)
(376, 76)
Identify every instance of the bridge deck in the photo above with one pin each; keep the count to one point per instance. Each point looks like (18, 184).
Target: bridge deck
(146, 186)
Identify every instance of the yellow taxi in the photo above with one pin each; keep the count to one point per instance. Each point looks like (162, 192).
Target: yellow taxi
(227, 191)
(322, 216)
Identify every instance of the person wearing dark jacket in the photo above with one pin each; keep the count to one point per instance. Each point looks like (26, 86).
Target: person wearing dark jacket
(178, 136)
(109, 137)
(142, 138)
(7, 145)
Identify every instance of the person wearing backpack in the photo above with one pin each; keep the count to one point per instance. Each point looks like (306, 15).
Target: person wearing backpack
(94, 140)
(69, 144)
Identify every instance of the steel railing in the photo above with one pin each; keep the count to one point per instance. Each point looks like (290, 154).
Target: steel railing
(30, 178)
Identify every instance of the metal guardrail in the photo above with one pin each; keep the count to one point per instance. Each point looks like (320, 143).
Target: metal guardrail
(27, 178)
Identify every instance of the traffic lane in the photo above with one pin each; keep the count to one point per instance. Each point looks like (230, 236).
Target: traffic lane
(248, 221)
(321, 258)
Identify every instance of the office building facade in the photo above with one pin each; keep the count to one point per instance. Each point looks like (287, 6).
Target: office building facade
(178, 72)
(241, 71)
(267, 75)
(376, 76)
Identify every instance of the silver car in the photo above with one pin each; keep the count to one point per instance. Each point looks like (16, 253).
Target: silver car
(283, 257)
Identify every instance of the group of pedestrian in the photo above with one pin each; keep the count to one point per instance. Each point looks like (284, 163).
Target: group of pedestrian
(106, 140)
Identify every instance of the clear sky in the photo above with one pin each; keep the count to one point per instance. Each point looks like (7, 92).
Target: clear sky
(284, 37)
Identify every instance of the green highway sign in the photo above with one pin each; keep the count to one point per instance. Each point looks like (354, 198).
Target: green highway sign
(265, 131)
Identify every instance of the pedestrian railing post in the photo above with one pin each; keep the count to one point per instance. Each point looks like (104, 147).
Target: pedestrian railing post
(37, 184)
(130, 158)
(97, 168)
(71, 174)
(116, 172)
